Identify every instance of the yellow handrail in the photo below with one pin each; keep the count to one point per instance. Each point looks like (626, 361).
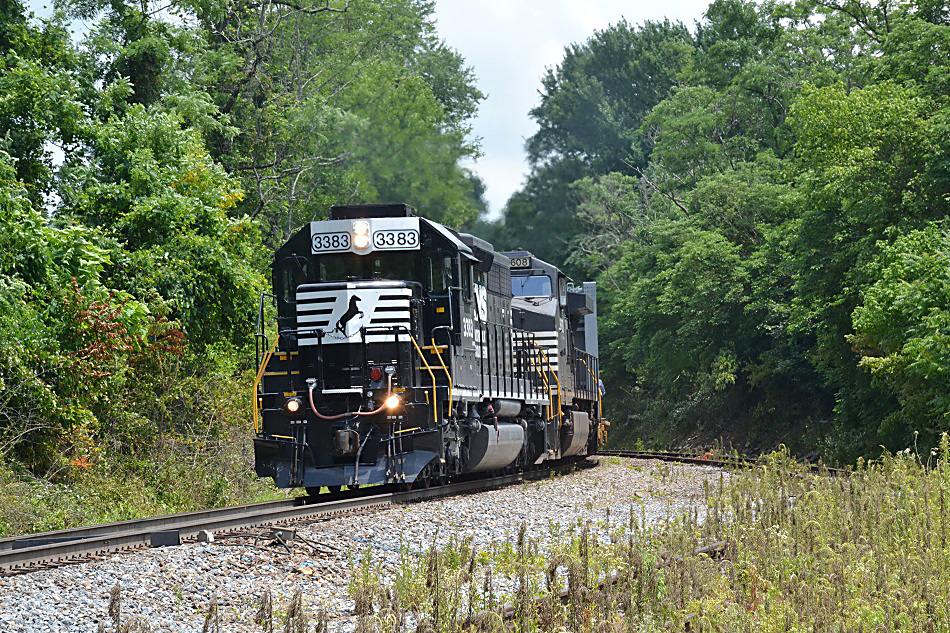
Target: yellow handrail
(600, 398)
(544, 378)
(446, 370)
(257, 380)
(435, 417)
(602, 426)
(553, 373)
(547, 384)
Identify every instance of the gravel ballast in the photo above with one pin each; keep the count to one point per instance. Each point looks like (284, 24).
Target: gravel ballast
(172, 587)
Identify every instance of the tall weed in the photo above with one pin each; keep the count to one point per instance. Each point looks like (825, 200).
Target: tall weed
(801, 552)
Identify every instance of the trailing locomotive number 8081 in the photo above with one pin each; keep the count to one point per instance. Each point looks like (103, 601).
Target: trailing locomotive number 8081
(404, 238)
(330, 242)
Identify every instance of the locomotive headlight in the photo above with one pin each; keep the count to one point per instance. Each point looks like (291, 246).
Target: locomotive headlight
(361, 234)
(392, 401)
(292, 405)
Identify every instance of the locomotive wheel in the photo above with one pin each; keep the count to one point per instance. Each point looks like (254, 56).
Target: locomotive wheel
(428, 476)
(334, 489)
(423, 480)
(353, 486)
(313, 492)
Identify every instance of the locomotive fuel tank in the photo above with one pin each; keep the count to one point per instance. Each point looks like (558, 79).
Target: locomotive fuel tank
(490, 448)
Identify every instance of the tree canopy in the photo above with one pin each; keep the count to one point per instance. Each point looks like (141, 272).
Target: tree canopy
(764, 200)
(147, 169)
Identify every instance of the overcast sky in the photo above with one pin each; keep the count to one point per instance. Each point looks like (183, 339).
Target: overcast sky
(509, 43)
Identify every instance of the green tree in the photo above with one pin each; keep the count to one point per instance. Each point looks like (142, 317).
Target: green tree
(155, 189)
(860, 167)
(796, 165)
(594, 101)
(592, 106)
(40, 104)
(902, 328)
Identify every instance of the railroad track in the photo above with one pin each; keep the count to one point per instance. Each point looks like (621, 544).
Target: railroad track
(22, 554)
(711, 460)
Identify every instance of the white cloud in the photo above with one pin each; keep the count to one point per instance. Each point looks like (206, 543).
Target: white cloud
(510, 43)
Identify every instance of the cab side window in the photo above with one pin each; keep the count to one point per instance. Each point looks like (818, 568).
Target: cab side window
(467, 281)
(439, 273)
(293, 273)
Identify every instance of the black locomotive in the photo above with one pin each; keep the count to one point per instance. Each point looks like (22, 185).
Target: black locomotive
(409, 353)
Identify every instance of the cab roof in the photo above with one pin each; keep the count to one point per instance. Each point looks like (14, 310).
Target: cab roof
(537, 265)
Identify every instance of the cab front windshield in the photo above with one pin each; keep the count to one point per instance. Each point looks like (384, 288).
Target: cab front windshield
(531, 286)
(395, 266)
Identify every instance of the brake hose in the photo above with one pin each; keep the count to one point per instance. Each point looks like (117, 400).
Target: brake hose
(312, 383)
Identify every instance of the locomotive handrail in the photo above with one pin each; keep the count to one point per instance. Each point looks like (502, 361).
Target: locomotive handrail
(260, 336)
(438, 353)
(257, 381)
(544, 379)
(521, 372)
(600, 398)
(584, 382)
(553, 373)
(550, 368)
(447, 374)
(435, 417)
(525, 357)
(508, 347)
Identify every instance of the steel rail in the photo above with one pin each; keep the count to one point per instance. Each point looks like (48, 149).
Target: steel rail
(68, 545)
(164, 522)
(719, 462)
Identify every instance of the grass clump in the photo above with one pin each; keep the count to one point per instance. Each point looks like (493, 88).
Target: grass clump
(191, 450)
(800, 552)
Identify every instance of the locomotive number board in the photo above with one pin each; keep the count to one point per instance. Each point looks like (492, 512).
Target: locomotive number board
(521, 262)
(395, 239)
(365, 235)
(330, 242)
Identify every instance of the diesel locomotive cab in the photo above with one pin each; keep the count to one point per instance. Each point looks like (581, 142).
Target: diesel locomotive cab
(406, 352)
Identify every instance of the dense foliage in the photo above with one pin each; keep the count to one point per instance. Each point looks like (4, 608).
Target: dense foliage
(764, 202)
(148, 165)
(763, 199)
